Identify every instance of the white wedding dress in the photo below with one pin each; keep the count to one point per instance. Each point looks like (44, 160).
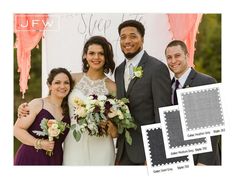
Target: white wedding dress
(89, 150)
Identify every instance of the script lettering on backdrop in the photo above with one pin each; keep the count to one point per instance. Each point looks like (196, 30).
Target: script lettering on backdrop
(90, 25)
(66, 43)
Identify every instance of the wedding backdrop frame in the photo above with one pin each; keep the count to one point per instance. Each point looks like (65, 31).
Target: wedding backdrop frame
(55, 29)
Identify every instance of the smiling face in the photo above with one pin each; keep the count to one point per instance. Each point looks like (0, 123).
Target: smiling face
(177, 60)
(60, 85)
(131, 41)
(95, 57)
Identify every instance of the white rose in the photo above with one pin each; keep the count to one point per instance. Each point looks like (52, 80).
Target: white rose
(102, 97)
(54, 126)
(88, 106)
(90, 98)
(102, 109)
(121, 103)
(91, 109)
(101, 103)
(120, 115)
(93, 101)
(81, 112)
(112, 101)
(53, 132)
(96, 102)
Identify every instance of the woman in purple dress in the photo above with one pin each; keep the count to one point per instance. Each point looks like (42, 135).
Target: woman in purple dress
(34, 149)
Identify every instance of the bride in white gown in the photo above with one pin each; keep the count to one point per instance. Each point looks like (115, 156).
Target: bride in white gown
(92, 150)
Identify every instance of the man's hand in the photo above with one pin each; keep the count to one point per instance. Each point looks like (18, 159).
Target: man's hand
(23, 110)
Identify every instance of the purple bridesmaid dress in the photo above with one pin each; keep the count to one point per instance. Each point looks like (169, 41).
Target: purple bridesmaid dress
(28, 155)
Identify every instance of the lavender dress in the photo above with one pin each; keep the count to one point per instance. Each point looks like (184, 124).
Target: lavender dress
(28, 155)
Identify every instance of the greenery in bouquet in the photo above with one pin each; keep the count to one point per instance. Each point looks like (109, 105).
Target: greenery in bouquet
(95, 109)
(88, 115)
(119, 113)
(51, 128)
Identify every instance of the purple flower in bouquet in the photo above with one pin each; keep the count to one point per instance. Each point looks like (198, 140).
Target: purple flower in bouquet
(95, 109)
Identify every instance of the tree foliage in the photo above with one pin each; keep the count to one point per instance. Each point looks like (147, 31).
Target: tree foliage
(208, 46)
(34, 83)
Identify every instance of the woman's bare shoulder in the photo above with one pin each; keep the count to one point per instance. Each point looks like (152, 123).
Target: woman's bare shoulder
(111, 86)
(35, 105)
(77, 76)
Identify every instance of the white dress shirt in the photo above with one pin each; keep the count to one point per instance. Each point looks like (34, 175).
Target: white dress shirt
(181, 80)
(130, 64)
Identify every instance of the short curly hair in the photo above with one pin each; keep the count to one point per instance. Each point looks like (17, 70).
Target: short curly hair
(132, 23)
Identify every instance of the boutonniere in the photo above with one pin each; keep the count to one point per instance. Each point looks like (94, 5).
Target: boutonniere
(138, 71)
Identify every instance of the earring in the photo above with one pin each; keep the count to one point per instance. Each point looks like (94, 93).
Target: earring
(106, 69)
(87, 65)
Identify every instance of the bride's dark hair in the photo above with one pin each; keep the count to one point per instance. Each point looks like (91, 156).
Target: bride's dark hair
(108, 53)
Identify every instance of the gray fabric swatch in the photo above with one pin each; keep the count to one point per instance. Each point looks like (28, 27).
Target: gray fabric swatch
(202, 109)
(175, 133)
(157, 150)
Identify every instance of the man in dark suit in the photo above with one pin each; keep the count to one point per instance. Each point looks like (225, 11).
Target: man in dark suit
(147, 88)
(177, 59)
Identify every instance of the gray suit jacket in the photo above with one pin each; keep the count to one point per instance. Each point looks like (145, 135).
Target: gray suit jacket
(146, 95)
(210, 158)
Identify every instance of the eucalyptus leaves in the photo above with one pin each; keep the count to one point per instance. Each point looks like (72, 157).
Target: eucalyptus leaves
(95, 109)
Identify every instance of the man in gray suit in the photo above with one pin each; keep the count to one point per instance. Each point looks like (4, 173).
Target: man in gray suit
(147, 87)
(177, 59)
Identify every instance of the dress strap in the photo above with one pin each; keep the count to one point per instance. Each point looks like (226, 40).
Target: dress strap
(42, 103)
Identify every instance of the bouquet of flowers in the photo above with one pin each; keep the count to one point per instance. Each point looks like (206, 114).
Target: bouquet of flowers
(119, 113)
(88, 115)
(51, 128)
(95, 109)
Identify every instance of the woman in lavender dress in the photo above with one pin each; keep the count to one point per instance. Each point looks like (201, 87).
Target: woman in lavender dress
(34, 148)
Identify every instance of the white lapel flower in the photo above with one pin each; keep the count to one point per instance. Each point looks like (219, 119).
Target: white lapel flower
(138, 71)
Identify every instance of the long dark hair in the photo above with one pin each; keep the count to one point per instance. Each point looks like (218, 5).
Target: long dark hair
(108, 53)
(51, 76)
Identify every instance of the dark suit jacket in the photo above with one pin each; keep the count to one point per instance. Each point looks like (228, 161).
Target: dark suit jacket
(146, 95)
(210, 158)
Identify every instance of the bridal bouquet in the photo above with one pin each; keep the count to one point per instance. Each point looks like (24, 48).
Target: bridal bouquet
(88, 115)
(51, 128)
(95, 109)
